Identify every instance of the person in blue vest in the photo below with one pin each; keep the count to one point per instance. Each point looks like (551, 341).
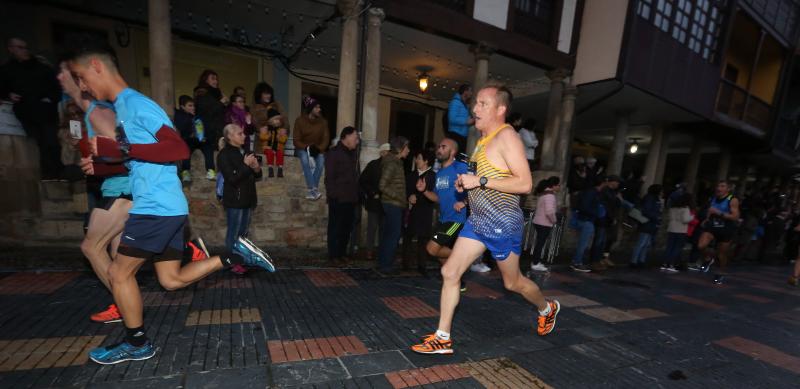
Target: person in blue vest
(720, 225)
(458, 118)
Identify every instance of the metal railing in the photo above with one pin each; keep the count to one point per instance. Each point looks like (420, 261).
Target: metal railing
(735, 102)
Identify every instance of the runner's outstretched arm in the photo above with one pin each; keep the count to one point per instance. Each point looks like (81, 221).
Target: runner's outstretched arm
(168, 148)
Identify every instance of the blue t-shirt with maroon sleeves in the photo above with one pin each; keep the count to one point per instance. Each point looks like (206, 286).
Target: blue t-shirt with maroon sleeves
(155, 187)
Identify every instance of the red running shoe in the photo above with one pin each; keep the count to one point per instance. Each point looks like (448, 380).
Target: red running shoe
(110, 315)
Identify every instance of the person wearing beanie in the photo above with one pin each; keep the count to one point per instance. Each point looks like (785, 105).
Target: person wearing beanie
(311, 139)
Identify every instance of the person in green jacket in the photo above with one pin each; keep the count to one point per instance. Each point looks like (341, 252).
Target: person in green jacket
(393, 199)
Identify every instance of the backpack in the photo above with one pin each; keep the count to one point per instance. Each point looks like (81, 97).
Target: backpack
(220, 185)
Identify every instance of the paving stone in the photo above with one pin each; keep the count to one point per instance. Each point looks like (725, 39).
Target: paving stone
(762, 352)
(609, 314)
(503, 373)
(307, 372)
(583, 351)
(175, 382)
(251, 377)
(597, 332)
(375, 363)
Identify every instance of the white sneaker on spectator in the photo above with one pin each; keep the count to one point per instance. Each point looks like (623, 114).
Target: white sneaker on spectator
(310, 195)
(539, 267)
(480, 267)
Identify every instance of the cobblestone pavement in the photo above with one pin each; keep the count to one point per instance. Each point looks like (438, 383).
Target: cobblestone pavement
(352, 329)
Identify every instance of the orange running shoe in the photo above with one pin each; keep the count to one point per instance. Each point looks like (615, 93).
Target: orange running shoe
(198, 249)
(433, 345)
(548, 322)
(110, 315)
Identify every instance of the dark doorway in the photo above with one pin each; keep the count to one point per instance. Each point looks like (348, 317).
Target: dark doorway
(412, 126)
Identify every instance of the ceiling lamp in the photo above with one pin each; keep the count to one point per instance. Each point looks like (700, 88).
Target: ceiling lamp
(634, 145)
(423, 82)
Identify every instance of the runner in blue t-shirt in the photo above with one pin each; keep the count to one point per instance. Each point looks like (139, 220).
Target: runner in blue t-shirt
(149, 145)
(452, 204)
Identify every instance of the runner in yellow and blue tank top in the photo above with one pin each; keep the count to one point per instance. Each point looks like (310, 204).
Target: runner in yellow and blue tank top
(500, 175)
(495, 217)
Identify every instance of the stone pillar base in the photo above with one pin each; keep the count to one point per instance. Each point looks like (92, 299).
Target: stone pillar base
(369, 152)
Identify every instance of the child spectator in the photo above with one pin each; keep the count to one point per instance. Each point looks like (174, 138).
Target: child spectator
(273, 138)
(680, 216)
(192, 131)
(237, 114)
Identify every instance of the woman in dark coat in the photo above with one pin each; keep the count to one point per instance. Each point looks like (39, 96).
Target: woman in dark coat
(239, 171)
(210, 105)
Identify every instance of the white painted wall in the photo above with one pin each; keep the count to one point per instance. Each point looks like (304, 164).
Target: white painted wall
(494, 12)
(602, 27)
(567, 25)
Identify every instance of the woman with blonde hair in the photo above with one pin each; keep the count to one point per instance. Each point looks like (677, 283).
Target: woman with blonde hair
(239, 171)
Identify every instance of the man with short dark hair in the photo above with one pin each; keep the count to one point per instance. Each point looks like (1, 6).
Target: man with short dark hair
(33, 88)
(341, 185)
(458, 116)
(149, 147)
(495, 223)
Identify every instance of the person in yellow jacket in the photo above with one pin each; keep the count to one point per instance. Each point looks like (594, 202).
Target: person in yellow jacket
(273, 138)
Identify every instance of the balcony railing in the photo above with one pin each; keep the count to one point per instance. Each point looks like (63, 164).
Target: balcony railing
(461, 6)
(735, 102)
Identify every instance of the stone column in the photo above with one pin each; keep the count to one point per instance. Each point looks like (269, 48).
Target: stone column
(619, 144)
(348, 60)
(482, 52)
(650, 167)
(564, 143)
(553, 123)
(662, 158)
(724, 163)
(162, 88)
(372, 69)
(693, 165)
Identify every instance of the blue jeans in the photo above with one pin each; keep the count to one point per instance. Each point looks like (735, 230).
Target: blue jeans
(599, 243)
(675, 242)
(390, 236)
(238, 224)
(642, 247)
(312, 177)
(585, 233)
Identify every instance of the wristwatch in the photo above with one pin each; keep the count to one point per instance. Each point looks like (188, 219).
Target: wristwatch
(483, 181)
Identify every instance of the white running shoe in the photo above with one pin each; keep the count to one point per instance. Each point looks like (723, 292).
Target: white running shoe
(539, 267)
(480, 267)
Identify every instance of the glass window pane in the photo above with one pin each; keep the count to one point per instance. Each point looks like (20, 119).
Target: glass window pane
(657, 21)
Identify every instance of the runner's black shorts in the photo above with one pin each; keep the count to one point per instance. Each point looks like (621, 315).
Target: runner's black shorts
(722, 234)
(108, 202)
(159, 238)
(445, 234)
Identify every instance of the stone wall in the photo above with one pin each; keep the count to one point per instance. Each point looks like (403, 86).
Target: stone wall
(283, 217)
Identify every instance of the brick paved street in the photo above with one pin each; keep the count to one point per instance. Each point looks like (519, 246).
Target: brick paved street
(352, 329)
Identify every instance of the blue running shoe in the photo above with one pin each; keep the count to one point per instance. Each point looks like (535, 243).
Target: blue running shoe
(122, 352)
(253, 256)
